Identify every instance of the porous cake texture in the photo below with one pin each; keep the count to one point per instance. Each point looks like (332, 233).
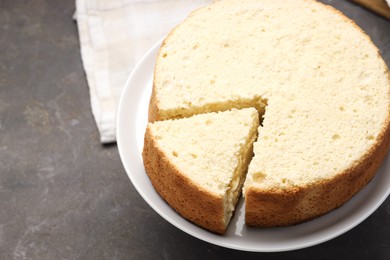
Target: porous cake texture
(316, 79)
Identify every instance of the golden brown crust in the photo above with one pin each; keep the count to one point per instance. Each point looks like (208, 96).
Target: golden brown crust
(189, 200)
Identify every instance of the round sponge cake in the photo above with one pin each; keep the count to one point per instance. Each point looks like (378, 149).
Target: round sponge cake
(316, 79)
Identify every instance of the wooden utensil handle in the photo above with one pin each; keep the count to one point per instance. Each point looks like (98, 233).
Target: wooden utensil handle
(378, 6)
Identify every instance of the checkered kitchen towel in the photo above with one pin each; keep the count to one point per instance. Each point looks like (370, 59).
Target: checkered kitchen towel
(114, 35)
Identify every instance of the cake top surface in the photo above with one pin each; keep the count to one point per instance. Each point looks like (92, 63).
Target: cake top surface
(243, 49)
(326, 88)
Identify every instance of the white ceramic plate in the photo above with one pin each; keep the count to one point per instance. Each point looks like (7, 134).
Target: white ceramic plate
(132, 119)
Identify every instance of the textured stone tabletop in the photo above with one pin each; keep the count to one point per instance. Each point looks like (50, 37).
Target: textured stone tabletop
(63, 195)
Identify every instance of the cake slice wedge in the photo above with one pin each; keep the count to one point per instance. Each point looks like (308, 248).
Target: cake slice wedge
(198, 164)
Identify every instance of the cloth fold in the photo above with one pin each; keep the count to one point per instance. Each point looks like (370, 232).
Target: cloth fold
(114, 35)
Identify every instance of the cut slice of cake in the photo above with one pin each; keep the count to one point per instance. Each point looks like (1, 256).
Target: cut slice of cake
(198, 164)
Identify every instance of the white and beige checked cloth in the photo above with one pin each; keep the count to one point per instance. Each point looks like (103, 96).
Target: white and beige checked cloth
(114, 35)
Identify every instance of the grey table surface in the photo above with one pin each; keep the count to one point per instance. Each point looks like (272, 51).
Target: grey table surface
(63, 195)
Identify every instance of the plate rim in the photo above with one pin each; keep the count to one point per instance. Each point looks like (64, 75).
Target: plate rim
(194, 230)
